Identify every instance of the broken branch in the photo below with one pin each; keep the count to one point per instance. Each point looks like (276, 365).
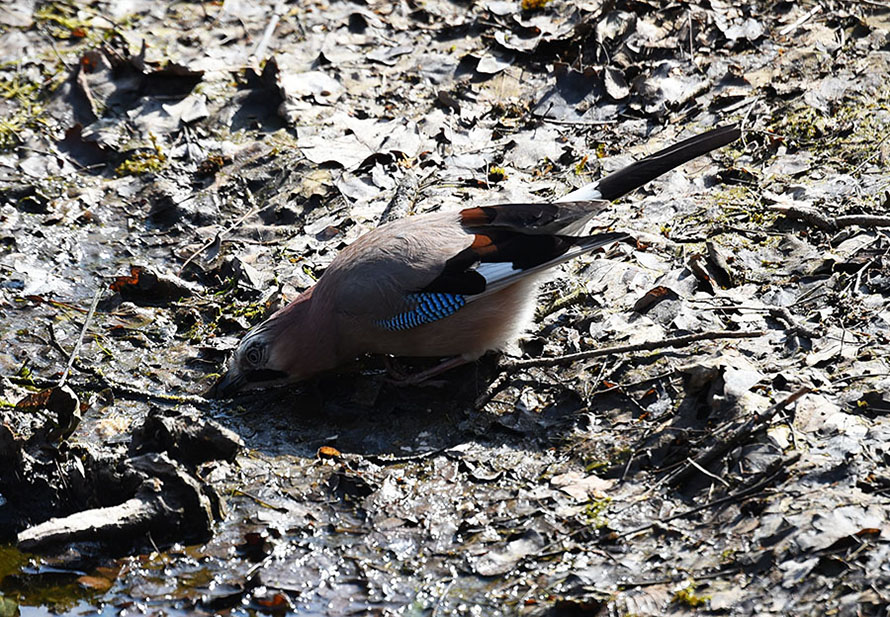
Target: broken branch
(86, 324)
(734, 438)
(677, 341)
(817, 219)
(769, 476)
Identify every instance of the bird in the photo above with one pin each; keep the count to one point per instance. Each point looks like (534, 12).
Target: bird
(452, 285)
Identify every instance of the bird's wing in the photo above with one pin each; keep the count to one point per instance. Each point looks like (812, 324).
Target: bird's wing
(503, 245)
(515, 240)
(415, 271)
(424, 268)
(563, 218)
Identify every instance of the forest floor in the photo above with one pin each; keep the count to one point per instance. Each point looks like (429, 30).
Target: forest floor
(171, 172)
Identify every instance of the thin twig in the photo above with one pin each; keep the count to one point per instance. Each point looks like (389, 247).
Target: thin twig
(862, 220)
(809, 295)
(624, 387)
(403, 199)
(118, 389)
(128, 392)
(857, 377)
(441, 598)
(260, 50)
(55, 49)
(805, 18)
(878, 151)
(707, 473)
(857, 285)
(769, 475)
(492, 390)
(734, 438)
(807, 215)
(383, 460)
(677, 341)
(574, 122)
(86, 324)
(794, 327)
(696, 576)
(717, 502)
(817, 219)
(219, 235)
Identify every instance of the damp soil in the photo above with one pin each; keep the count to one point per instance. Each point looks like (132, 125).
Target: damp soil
(171, 173)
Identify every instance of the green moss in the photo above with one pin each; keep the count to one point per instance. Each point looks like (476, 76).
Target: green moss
(56, 593)
(741, 204)
(617, 456)
(195, 333)
(11, 561)
(497, 174)
(62, 21)
(144, 162)
(581, 167)
(249, 311)
(12, 127)
(24, 371)
(99, 341)
(687, 597)
(576, 296)
(28, 112)
(533, 5)
(801, 125)
(850, 135)
(735, 195)
(8, 606)
(594, 512)
(307, 270)
(141, 163)
(281, 142)
(19, 89)
(598, 465)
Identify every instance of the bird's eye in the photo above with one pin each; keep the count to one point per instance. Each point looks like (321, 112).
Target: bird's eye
(254, 355)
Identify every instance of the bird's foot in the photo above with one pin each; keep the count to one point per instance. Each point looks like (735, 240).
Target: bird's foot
(398, 376)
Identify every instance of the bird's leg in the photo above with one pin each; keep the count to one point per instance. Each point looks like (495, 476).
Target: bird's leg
(395, 371)
(400, 378)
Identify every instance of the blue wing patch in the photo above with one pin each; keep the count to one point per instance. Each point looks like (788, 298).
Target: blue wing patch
(424, 308)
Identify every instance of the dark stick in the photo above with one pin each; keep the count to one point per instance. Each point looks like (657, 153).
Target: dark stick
(817, 219)
(677, 341)
(771, 475)
(735, 438)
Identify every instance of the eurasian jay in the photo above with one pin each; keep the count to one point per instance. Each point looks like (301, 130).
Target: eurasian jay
(445, 284)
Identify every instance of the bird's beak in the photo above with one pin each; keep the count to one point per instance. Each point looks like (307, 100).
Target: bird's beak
(228, 384)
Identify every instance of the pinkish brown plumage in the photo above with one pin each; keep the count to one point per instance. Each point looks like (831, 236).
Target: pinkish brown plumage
(443, 284)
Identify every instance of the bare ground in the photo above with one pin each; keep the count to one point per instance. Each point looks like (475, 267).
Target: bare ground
(228, 150)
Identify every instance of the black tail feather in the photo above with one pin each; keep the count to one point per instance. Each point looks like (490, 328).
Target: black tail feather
(639, 173)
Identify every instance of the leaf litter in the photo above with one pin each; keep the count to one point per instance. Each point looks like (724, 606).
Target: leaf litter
(201, 165)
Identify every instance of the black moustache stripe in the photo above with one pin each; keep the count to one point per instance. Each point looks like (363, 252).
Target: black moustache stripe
(265, 374)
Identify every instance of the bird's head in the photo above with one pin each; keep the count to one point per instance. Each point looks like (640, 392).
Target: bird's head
(256, 362)
(289, 346)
